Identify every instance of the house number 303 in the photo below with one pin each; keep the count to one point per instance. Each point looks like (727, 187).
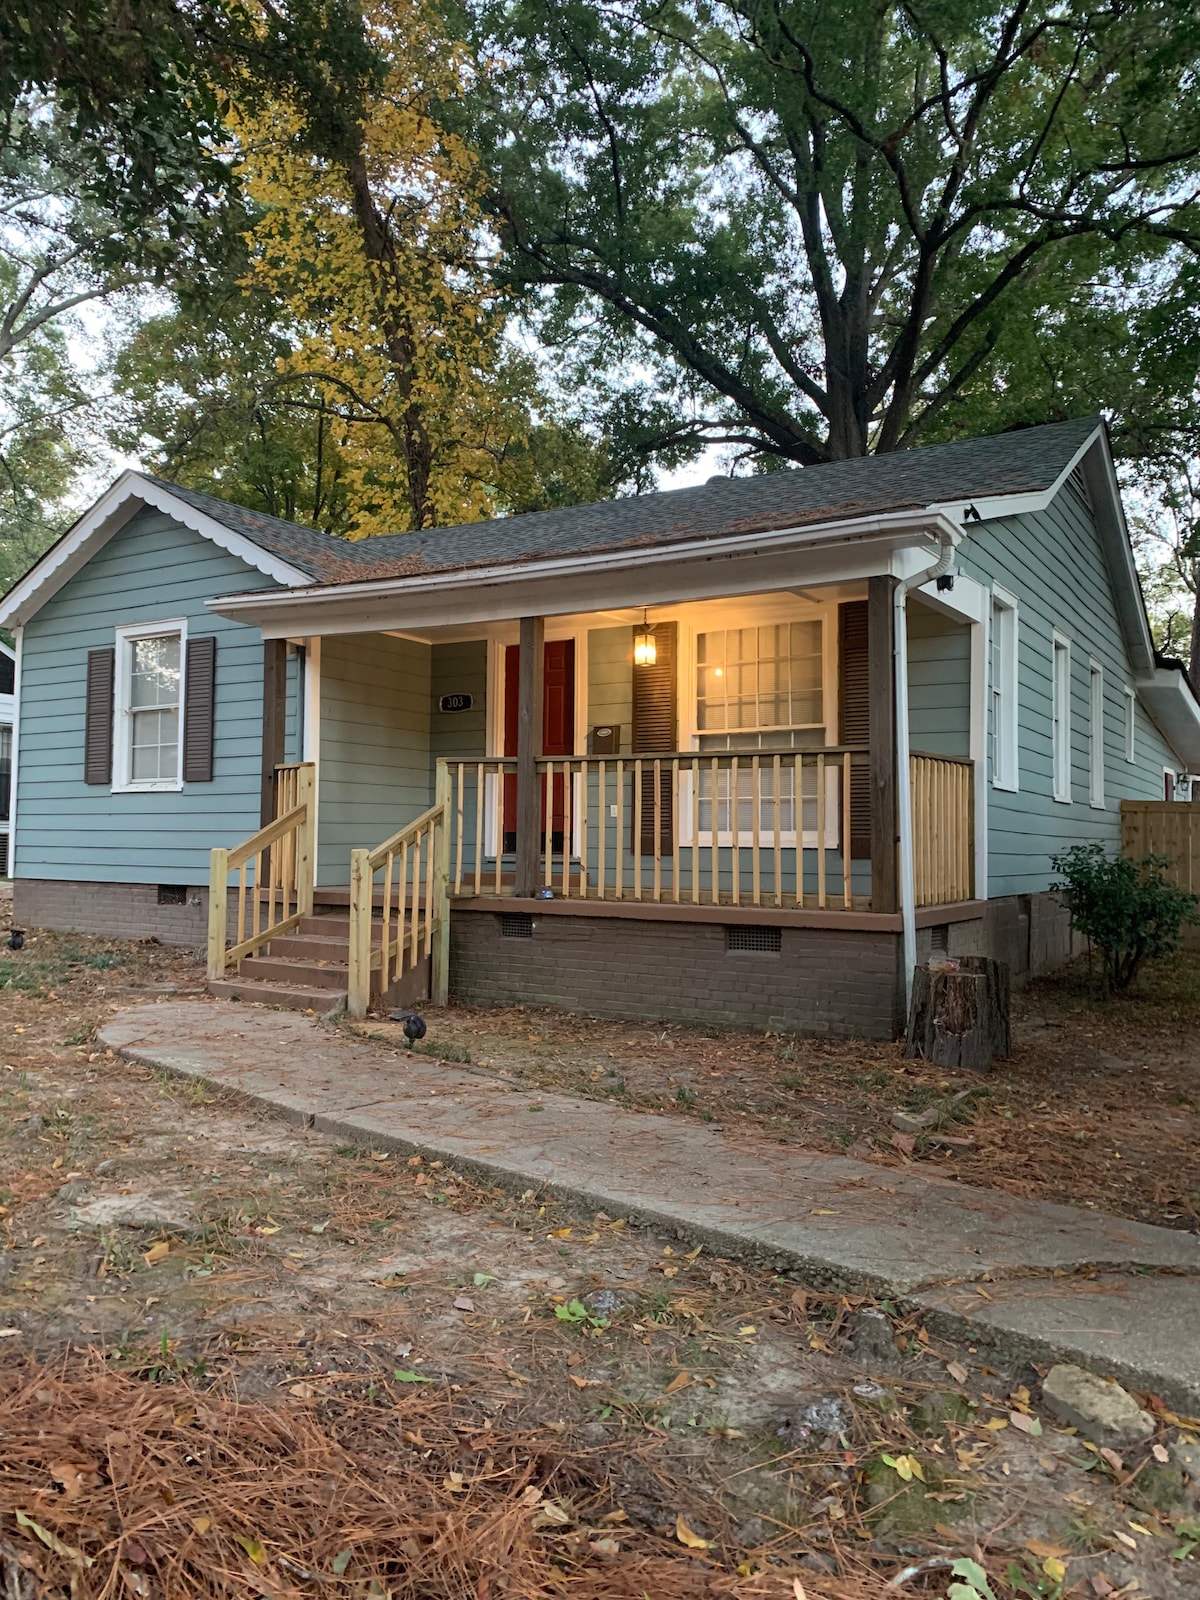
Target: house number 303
(456, 702)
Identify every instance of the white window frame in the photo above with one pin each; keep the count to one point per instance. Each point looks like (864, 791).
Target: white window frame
(1130, 723)
(762, 838)
(1004, 694)
(1096, 734)
(126, 636)
(1060, 716)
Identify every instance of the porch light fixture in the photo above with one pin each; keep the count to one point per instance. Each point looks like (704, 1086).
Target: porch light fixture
(645, 650)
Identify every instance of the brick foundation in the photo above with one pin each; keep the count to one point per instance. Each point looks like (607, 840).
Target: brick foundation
(822, 981)
(114, 910)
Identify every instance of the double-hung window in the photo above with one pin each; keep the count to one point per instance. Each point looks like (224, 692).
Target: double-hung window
(1004, 690)
(148, 732)
(1096, 733)
(1061, 717)
(760, 692)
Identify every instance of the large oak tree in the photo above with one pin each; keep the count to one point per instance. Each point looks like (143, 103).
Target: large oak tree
(810, 229)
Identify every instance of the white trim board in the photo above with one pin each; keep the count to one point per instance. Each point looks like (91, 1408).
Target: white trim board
(130, 494)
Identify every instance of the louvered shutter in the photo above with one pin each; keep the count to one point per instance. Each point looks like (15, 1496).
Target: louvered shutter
(98, 716)
(199, 706)
(854, 717)
(656, 729)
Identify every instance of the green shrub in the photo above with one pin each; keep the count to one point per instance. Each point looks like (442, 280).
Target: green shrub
(1127, 909)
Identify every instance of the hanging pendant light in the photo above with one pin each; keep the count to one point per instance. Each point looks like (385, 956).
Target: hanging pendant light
(645, 650)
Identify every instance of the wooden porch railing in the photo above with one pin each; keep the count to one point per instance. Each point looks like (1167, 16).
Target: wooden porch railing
(943, 809)
(275, 874)
(415, 920)
(742, 829)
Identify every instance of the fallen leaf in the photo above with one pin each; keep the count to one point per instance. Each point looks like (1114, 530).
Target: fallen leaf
(1129, 1543)
(252, 1547)
(402, 1375)
(1043, 1550)
(341, 1561)
(201, 1525)
(606, 1546)
(453, 1481)
(679, 1381)
(580, 1383)
(1102, 1586)
(686, 1536)
(957, 1371)
(553, 1512)
(1025, 1424)
(798, 1591)
(1160, 1453)
(1113, 1459)
(748, 1330)
(75, 1477)
(1054, 1569)
(996, 1423)
(464, 1303)
(302, 1391)
(1138, 1528)
(158, 1251)
(904, 1142)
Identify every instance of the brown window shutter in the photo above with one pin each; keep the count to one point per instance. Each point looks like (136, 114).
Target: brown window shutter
(656, 729)
(98, 716)
(854, 717)
(199, 704)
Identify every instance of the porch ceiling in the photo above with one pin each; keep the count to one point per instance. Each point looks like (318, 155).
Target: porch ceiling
(843, 551)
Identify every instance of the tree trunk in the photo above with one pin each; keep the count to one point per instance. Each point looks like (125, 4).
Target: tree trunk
(960, 1012)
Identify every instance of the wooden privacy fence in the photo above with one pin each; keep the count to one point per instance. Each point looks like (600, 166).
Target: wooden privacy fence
(415, 914)
(1168, 828)
(274, 874)
(943, 803)
(766, 829)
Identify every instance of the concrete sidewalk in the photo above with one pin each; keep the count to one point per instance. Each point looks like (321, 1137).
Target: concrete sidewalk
(1043, 1281)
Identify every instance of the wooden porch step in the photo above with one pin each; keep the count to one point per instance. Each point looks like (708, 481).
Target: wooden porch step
(312, 948)
(292, 997)
(278, 968)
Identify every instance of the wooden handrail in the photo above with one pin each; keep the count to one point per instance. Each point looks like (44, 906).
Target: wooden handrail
(282, 854)
(415, 919)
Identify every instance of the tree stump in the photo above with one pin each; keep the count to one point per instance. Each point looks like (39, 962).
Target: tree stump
(960, 1012)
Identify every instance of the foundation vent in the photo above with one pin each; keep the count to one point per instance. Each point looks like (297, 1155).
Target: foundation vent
(172, 894)
(754, 941)
(516, 925)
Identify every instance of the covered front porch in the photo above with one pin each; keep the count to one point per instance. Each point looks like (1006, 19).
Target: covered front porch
(742, 760)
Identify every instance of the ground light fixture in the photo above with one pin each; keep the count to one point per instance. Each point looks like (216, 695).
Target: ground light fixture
(645, 650)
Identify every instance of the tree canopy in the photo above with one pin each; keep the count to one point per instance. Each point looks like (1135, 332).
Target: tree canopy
(812, 227)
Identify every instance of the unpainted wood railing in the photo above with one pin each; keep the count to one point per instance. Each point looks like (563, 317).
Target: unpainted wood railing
(412, 898)
(708, 828)
(943, 811)
(275, 874)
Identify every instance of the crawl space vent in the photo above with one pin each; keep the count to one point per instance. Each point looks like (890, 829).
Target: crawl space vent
(172, 894)
(516, 925)
(757, 941)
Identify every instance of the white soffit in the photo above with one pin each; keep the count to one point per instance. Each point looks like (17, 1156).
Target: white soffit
(130, 494)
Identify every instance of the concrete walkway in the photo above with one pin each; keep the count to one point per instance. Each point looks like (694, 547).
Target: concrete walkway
(1042, 1281)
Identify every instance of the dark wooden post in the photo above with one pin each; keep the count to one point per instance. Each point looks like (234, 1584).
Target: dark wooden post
(274, 721)
(881, 695)
(530, 674)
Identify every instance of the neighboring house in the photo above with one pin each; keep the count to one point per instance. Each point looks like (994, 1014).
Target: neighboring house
(765, 742)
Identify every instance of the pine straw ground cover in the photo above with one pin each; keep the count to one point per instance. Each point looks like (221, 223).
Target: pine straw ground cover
(1099, 1105)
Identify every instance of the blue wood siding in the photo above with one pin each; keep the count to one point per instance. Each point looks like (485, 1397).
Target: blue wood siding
(374, 764)
(459, 668)
(1054, 564)
(151, 570)
(610, 682)
(939, 683)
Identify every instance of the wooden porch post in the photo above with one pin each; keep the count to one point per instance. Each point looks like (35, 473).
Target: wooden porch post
(274, 721)
(881, 696)
(529, 747)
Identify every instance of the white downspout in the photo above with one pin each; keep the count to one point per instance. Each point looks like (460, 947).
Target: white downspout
(908, 910)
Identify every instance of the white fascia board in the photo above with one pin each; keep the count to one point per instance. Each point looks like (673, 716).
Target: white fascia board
(1013, 505)
(130, 494)
(1173, 708)
(740, 564)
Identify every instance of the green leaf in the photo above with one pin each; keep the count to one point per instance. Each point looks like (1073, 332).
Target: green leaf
(975, 1576)
(341, 1561)
(482, 1279)
(406, 1375)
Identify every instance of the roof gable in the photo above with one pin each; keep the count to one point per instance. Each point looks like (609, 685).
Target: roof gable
(134, 492)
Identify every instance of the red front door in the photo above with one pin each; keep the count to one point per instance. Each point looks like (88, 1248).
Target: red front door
(558, 731)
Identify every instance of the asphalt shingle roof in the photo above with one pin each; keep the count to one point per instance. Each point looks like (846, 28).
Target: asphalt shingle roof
(1022, 462)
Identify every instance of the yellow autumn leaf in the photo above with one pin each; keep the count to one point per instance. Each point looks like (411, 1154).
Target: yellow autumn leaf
(157, 1252)
(201, 1525)
(1054, 1569)
(686, 1536)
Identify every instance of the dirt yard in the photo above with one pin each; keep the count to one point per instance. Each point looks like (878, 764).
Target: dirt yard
(237, 1360)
